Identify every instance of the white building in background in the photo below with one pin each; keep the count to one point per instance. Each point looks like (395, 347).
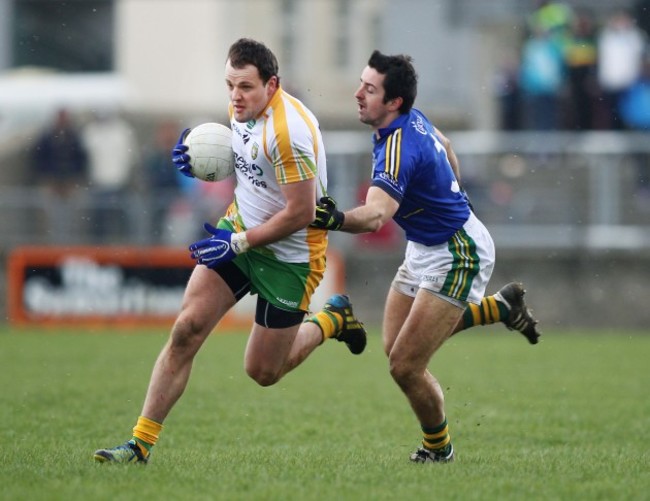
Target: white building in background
(167, 56)
(172, 53)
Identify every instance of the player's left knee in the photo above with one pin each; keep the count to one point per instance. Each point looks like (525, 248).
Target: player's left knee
(262, 376)
(403, 372)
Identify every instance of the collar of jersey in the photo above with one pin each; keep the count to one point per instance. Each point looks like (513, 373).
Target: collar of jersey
(399, 122)
(275, 98)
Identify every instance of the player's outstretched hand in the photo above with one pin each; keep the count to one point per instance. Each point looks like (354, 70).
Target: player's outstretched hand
(180, 157)
(214, 250)
(328, 217)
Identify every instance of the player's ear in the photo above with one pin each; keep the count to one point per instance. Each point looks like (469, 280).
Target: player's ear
(272, 84)
(395, 103)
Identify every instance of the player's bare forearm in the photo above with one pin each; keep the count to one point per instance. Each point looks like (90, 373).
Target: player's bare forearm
(281, 225)
(371, 216)
(362, 219)
(298, 213)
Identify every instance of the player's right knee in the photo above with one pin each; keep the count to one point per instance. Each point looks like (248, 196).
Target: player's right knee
(187, 332)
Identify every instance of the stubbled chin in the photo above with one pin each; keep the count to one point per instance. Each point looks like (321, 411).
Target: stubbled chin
(240, 116)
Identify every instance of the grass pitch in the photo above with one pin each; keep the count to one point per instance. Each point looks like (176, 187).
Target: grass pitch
(566, 419)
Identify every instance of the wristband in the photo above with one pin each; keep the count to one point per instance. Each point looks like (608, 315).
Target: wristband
(239, 242)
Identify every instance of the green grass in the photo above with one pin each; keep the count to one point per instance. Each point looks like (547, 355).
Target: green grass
(566, 419)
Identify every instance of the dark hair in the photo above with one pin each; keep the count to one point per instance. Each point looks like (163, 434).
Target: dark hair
(400, 78)
(247, 51)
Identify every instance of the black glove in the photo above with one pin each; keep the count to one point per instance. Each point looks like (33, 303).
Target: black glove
(328, 217)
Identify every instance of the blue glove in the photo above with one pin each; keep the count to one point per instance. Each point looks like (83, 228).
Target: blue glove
(180, 157)
(215, 250)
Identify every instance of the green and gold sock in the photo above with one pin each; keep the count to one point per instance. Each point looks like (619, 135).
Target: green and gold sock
(437, 439)
(329, 322)
(489, 312)
(145, 434)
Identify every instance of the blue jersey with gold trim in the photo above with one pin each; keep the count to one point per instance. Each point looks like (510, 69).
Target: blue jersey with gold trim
(410, 164)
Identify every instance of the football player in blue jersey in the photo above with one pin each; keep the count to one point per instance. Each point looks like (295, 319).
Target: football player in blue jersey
(439, 288)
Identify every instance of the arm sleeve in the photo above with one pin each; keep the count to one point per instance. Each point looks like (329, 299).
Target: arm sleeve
(393, 166)
(293, 153)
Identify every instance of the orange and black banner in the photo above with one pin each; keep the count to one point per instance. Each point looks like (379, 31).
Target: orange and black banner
(117, 286)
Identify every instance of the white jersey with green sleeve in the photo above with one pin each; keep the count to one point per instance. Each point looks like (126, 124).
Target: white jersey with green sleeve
(282, 145)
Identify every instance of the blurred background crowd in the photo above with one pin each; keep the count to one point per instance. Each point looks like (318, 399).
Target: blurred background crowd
(577, 70)
(98, 160)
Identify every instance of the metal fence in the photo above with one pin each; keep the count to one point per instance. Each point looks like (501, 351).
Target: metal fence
(533, 190)
(537, 190)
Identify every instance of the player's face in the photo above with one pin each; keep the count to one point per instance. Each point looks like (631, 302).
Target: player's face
(248, 94)
(370, 100)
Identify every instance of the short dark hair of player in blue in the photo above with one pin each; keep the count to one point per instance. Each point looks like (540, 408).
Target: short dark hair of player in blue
(400, 78)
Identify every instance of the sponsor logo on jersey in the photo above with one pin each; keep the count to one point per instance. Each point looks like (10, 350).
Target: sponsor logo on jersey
(385, 176)
(246, 137)
(251, 171)
(250, 124)
(418, 125)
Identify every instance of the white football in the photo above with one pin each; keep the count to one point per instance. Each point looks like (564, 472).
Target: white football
(209, 146)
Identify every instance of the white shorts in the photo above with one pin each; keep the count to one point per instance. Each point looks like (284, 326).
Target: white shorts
(458, 270)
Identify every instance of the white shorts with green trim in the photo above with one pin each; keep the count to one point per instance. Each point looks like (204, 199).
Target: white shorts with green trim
(458, 270)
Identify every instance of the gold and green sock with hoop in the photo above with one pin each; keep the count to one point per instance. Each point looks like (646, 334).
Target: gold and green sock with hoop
(145, 434)
(490, 311)
(437, 439)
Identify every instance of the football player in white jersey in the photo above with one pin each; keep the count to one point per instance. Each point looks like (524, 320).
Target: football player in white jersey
(264, 246)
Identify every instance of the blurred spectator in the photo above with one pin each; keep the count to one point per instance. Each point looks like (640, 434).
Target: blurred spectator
(162, 182)
(635, 102)
(59, 160)
(552, 18)
(635, 114)
(620, 51)
(642, 15)
(506, 89)
(581, 58)
(112, 151)
(59, 165)
(541, 81)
